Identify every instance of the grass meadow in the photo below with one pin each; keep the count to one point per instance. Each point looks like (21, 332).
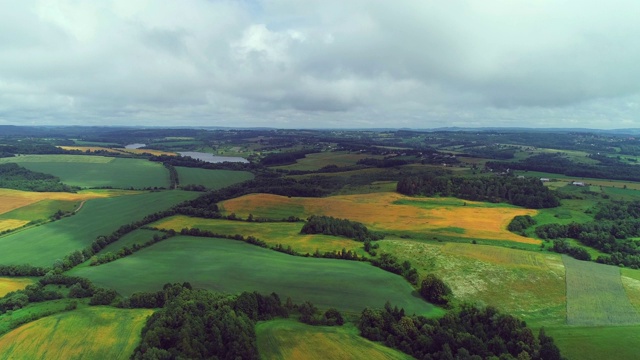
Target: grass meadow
(492, 275)
(285, 339)
(87, 333)
(42, 245)
(234, 266)
(9, 284)
(87, 171)
(596, 295)
(631, 283)
(211, 179)
(392, 212)
(319, 160)
(597, 342)
(273, 233)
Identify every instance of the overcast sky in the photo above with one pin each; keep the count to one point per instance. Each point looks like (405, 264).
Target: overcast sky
(325, 63)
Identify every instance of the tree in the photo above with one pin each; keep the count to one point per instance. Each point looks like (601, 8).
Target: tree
(434, 290)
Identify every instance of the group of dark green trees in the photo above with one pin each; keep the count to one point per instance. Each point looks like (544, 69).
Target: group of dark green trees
(525, 192)
(13, 176)
(468, 332)
(612, 232)
(328, 225)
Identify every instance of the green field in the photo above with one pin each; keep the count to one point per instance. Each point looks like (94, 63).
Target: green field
(42, 245)
(97, 171)
(211, 179)
(273, 233)
(88, 333)
(40, 210)
(316, 161)
(233, 266)
(595, 295)
(493, 275)
(139, 236)
(288, 340)
(597, 342)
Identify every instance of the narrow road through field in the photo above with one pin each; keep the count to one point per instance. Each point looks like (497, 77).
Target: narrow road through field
(80, 207)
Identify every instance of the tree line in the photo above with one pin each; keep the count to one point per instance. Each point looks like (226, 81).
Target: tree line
(607, 167)
(612, 231)
(14, 176)
(525, 192)
(468, 332)
(328, 225)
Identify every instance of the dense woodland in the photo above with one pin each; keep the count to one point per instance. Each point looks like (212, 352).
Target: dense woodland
(13, 176)
(329, 225)
(525, 192)
(466, 333)
(612, 232)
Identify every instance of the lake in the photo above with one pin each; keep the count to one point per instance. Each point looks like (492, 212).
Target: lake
(135, 146)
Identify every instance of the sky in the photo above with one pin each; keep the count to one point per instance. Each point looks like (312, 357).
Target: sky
(321, 63)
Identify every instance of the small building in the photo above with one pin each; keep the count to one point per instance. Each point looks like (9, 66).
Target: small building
(544, 179)
(577, 183)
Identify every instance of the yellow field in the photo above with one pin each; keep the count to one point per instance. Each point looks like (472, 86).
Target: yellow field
(8, 284)
(116, 150)
(527, 284)
(14, 199)
(382, 212)
(287, 234)
(10, 224)
(89, 333)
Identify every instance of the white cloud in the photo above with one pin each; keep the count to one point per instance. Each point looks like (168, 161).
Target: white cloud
(301, 64)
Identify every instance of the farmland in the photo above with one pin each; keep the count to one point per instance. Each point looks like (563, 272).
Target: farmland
(211, 179)
(97, 332)
(493, 275)
(318, 160)
(22, 207)
(391, 212)
(286, 339)
(597, 342)
(97, 171)
(42, 245)
(273, 233)
(595, 295)
(117, 150)
(233, 266)
(592, 310)
(8, 285)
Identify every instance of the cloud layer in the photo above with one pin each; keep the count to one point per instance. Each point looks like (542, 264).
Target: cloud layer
(301, 64)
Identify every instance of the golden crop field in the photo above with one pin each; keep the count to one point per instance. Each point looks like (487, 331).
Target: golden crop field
(13, 199)
(10, 224)
(387, 212)
(493, 275)
(8, 284)
(88, 333)
(273, 233)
